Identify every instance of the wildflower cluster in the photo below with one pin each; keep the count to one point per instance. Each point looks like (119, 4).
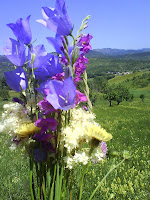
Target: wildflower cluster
(47, 121)
(83, 130)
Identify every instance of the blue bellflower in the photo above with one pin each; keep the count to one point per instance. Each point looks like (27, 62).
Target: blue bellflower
(22, 30)
(57, 19)
(44, 88)
(48, 69)
(62, 94)
(56, 43)
(17, 79)
(15, 52)
(40, 54)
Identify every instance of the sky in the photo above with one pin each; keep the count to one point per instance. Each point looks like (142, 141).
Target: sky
(121, 24)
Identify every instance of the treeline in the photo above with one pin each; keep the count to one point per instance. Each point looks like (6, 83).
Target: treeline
(97, 66)
(99, 84)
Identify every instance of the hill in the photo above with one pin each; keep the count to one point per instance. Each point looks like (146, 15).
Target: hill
(138, 83)
(145, 56)
(5, 65)
(141, 54)
(115, 52)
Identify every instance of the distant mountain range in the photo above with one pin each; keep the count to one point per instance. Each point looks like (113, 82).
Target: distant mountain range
(139, 54)
(116, 52)
(111, 53)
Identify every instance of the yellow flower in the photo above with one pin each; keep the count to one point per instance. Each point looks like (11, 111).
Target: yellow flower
(98, 133)
(27, 129)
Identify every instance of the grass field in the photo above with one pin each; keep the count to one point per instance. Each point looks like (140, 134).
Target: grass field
(120, 79)
(129, 123)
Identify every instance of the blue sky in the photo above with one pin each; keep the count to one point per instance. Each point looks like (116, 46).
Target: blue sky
(123, 24)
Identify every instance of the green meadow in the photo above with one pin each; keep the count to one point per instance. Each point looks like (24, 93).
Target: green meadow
(129, 123)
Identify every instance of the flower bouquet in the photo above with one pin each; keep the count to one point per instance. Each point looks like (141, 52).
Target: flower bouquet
(52, 122)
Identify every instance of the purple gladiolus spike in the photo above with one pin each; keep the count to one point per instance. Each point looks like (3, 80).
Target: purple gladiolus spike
(80, 67)
(47, 123)
(77, 79)
(57, 19)
(16, 79)
(84, 43)
(59, 76)
(41, 56)
(48, 69)
(80, 97)
(46, 107)
(15, 52)
(62, 94)
(22, 30)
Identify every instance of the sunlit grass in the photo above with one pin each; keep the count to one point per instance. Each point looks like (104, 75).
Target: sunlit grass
(139, 91)
(121, 78)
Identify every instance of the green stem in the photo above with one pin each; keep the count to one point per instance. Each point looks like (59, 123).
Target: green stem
(98, 186)
(31, 189)
(38, 181)
(31, 181)
(81, 182)
(71, 186)
(32, 70)
(66, 39)
(44, 188)
(74, 41)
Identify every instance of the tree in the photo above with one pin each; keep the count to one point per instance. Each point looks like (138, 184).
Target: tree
(3, 83)
(142, 97)
(97, 84)
(4, 94)
(121, 94)
(117, 93)
(109, 94)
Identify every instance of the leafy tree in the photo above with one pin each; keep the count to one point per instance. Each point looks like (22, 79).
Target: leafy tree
(97, 84)
(117, 93)
(121, 94)
(4, 94)
(109, 94)
(3, 84)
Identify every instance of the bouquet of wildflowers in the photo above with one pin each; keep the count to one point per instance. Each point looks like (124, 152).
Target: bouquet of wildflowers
(52, 122)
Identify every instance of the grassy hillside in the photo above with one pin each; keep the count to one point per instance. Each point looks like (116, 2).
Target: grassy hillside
(122, 78)
(138, 83)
